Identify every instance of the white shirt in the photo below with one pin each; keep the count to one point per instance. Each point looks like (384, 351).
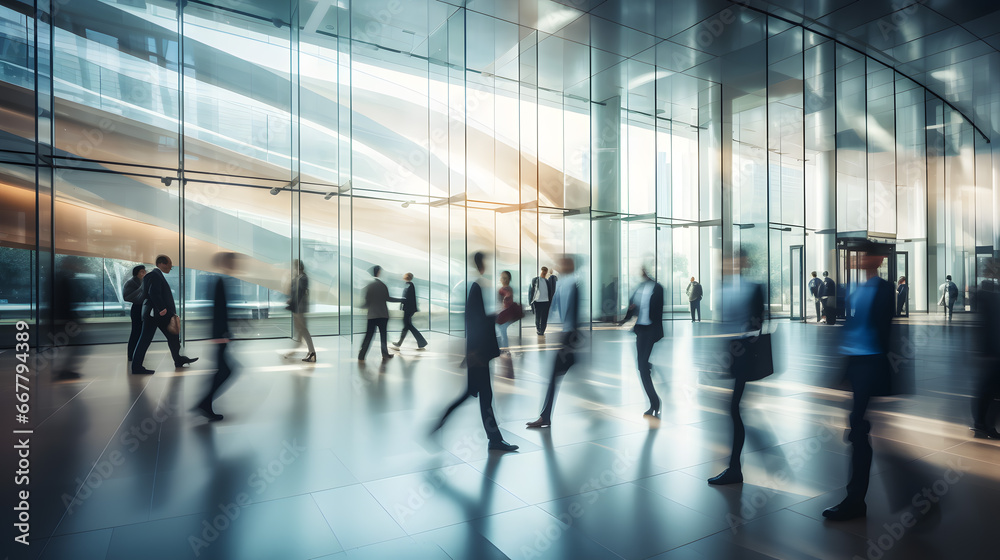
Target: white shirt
(542, 289)
(642, 296)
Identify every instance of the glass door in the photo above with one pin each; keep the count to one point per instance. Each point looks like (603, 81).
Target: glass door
(797, 283)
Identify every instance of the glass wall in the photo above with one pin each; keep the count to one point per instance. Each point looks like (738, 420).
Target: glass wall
(411, 134)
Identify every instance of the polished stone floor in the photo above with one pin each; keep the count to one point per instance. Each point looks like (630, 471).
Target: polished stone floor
(332, 460)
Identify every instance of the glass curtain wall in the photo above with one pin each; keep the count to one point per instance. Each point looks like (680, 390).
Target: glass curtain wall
(410, 134)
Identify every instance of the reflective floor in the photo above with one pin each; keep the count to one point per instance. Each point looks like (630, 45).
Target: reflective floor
(332, 460)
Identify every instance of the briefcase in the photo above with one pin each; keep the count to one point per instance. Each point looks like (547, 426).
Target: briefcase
(752, 357)
(174, 326)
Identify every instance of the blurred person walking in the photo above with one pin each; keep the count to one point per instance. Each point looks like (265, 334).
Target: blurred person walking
(866, 341)
(510, 311)
(984, 401)
(749, 354)
(646, 305)
(298, 305)
(226, 264)
(480, 347)
(570, 339)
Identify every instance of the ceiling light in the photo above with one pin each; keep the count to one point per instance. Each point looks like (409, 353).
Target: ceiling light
(275, 191)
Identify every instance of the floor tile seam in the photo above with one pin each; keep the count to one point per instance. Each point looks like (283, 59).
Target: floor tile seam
(381, 505)
(159, 447)
(333, 532)
(65, 404)
(103, 451)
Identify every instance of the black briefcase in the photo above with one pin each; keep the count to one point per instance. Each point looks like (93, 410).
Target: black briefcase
(752, 357)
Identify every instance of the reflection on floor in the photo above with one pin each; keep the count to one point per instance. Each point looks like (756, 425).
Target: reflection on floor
(332, 460)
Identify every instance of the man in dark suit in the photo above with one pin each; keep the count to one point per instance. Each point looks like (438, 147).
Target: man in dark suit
(376, 298)
(865, 344)
(902, 295)
(828, 295)
(540, 297)
(480, 347)
(567, 301)
(647, 305)
(221, 334)
(132, 292)
(409, 307)
(157, 310)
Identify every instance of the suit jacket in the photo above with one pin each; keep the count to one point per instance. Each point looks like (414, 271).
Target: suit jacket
(901, 292)
(481, 344)
(828, 288)
(409, 305)
(376, 296)
(655, 311)
(157, 296)
(220, 311)
(298, 302)
(132, 291)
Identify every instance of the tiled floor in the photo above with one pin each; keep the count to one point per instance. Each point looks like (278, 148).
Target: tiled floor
(332, 460)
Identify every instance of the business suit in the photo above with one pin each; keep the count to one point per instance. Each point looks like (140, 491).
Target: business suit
(409, 307)
(480, 347)
(828, 295)
(646, 335)
(902, 292)
(541, 301)
(570, 339)
(220, 332)
(376, 298)
(132, 292)
(157, 298)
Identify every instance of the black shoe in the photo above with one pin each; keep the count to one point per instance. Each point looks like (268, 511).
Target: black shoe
(143, 371)
(980, 432)
(846, 510)
(502, 446)
(185, 361)
(540, 423)
(310, 357)
(727, 476)
(424, 347)
(652, 412)
(206, 410)
(387, 357)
